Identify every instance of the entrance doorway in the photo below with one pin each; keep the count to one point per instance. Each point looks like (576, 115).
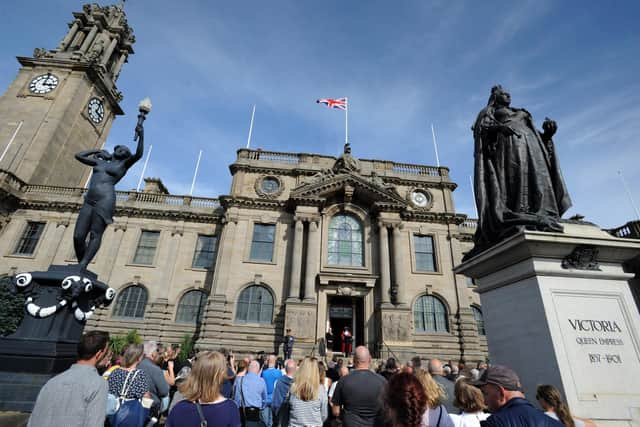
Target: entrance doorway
(344, 312)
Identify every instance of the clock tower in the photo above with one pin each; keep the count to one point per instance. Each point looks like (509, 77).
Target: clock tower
(64, 100)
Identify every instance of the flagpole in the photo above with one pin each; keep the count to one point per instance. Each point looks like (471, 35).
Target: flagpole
(253, 112)
(435, 146)
(15, 133)
(193, 183)
(473, 194)
(346, 121)
(626, 187)
(144, 168)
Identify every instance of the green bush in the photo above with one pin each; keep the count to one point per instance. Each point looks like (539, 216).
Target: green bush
(186, 346)
(11, 308)
(118, 342)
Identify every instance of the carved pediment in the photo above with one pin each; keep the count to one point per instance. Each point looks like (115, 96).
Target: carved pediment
(348, 186)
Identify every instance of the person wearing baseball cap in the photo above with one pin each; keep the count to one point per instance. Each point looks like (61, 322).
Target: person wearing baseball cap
(503, 396)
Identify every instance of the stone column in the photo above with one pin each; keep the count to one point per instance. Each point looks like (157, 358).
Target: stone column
(88, 40)
(296, 264)
(115, 71)
(400, 280)
(107, 55)
(69, 37)
(313, 261)
(385, 268)
(221, 273)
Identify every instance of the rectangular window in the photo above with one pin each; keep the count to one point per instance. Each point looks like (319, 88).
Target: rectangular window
(29, 240)
(262, 242)
(146, 250)
(425, 254)
(205, 254)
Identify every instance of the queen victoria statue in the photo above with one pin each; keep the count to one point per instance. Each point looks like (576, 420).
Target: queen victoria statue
(518, 184)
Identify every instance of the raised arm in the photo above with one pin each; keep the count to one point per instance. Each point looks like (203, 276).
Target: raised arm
(139, 149)
(87, 158)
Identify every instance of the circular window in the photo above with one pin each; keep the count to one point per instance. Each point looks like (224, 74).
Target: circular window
(420, 198)
(270, 185)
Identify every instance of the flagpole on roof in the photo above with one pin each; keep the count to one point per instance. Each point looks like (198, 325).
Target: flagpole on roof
(435, 145)
(346, 120)
(253, 112)
(473, 196)
(626, 187)
(195, 174)
(144, 168)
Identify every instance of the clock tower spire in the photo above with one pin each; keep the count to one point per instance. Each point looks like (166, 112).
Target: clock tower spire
(64, 100)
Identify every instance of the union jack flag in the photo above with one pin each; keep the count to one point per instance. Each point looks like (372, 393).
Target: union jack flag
(340, 103)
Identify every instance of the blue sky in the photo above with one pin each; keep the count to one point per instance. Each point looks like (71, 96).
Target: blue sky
(403, 65)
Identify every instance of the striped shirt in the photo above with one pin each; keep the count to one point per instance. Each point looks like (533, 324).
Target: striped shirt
(311, 413)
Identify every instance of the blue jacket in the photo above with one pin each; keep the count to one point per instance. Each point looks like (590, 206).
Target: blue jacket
(518, 412)
(280, 392)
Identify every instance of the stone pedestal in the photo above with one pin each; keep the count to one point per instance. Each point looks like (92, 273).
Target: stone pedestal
(396, 340)
(301, 317)
(558, 309)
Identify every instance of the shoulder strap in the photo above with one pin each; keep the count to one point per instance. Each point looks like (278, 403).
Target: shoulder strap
(203, 421)
(125, 389)
(439, 415)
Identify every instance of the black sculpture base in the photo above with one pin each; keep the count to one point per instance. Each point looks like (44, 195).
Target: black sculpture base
(45, 343)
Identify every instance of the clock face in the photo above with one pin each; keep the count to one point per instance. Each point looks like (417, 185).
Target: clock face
(44, 83)
(95, 108)
(420, 198)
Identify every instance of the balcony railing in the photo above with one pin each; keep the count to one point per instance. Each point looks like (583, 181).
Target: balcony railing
(122, 197)
(630, 230)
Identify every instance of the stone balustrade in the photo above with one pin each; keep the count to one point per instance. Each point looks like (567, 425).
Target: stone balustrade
(630, 230)
(317, 162)
(139, 199)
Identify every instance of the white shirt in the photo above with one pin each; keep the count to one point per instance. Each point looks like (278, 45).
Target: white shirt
(471, 419)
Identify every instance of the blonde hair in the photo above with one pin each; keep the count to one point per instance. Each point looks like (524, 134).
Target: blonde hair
(468, 398)
(207, 375)
(306, 381)
(435, 394)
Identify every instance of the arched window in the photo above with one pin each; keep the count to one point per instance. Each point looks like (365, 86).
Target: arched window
(477, 314)
(191, 307)
(255, 305)
(345, 241)
(430, 315)
(131, 303)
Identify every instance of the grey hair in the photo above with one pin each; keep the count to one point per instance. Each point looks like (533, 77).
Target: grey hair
(150, 347)
(132, 354)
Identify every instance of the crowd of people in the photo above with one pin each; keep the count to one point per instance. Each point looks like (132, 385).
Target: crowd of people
(147, 384)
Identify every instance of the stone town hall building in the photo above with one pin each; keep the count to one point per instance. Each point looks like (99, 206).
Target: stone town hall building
(302, 241)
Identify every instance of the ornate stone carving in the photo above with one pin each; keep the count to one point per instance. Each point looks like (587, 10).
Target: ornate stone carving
(346, 162)
(344, 290)
(39, 52)
(269, 186)
(582, 258)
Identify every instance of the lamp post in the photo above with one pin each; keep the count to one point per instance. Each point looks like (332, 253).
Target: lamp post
(144, 108)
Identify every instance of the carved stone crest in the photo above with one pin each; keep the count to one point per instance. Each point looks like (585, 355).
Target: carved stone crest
(344, 290)
(582, 258)
(268, 186)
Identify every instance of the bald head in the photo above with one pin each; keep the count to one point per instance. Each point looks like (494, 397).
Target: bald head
(435, 367)
(362, 358)
(271, 361)
(254, 367)
(290, 367)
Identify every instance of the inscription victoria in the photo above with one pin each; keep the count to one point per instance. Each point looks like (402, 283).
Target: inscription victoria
(607, 326)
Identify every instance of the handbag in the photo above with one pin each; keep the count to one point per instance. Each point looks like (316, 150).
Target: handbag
(113, 401)
(247, 413)
(130, 412)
